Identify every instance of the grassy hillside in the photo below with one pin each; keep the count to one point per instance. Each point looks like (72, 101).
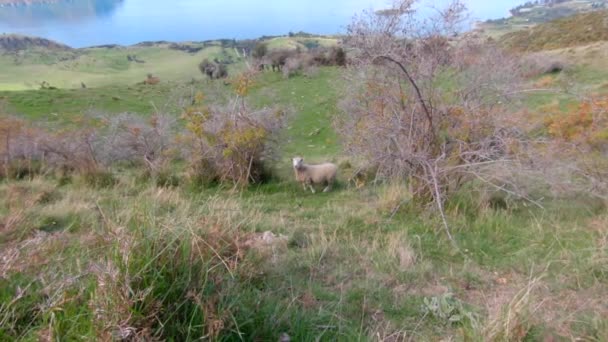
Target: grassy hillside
(533, 13)
(27, 62)
(577, 30)
(80, 260)
(102, 66)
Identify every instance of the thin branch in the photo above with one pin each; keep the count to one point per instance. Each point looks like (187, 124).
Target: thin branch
(416, 88)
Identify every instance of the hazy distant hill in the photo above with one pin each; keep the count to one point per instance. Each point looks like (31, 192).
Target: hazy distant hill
(13, 42)
(540, 11)
(580, 29)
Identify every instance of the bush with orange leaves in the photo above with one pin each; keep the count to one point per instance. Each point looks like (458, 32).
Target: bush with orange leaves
(580, 139)
(585, 125)
(231, 142)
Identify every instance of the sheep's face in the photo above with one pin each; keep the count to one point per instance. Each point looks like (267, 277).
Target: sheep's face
(297, 162)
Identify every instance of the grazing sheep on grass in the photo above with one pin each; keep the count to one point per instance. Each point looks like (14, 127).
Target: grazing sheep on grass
(310, 175)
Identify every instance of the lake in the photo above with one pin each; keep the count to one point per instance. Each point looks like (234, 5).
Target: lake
(80, 23)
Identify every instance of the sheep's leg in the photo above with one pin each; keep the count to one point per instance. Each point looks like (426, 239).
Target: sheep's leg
(328, 187)
(304, 186)
(312, 188)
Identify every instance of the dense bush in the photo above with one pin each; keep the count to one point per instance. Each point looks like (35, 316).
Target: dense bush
(292, 62)
(231, 144)
(213, 70)
(260, 50)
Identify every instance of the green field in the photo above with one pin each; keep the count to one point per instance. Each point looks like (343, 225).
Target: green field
(135, 260)
(102, 66)
(110, 66)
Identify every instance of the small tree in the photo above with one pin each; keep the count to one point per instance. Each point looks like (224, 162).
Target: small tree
(260, 50)
(213, 70)
(231, 143)
(340, 56)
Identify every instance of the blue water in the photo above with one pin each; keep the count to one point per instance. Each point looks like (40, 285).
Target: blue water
(81, 23)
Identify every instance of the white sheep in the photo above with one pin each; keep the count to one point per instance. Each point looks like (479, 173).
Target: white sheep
(310, 175)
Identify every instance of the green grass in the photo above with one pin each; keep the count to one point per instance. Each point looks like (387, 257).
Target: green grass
(99, 67)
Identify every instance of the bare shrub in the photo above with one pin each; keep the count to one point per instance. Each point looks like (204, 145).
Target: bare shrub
(543, 63)
(293, 62)
(72, 150)
(423, 110)
(133, 138)
(292, 67)
(20, 154)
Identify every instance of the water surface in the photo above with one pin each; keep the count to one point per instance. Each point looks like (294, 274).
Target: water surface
(81, 23)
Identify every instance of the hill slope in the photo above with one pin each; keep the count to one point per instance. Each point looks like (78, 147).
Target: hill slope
(26, 62)
(13, 42)
(576, 30)
(537, 12)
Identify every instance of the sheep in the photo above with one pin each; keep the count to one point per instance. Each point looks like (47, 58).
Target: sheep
(310, 175)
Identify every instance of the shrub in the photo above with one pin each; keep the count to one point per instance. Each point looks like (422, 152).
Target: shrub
(213, 70)
(72, 150)
(426, 112)
(142, 141)
(22, 169)
(294, 62)
(151, 80)
(292, 67)
(278, 58)
(19, 148)
(231, 144)
(260, 50)
(339, 57)
(542, 64)
(581, 142)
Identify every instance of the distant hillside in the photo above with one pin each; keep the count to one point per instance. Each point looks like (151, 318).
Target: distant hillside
(12, 43)
(537, 12)
(27, 62)
(576, 30)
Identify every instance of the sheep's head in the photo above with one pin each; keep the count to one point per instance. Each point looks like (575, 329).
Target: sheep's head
(297, 162)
